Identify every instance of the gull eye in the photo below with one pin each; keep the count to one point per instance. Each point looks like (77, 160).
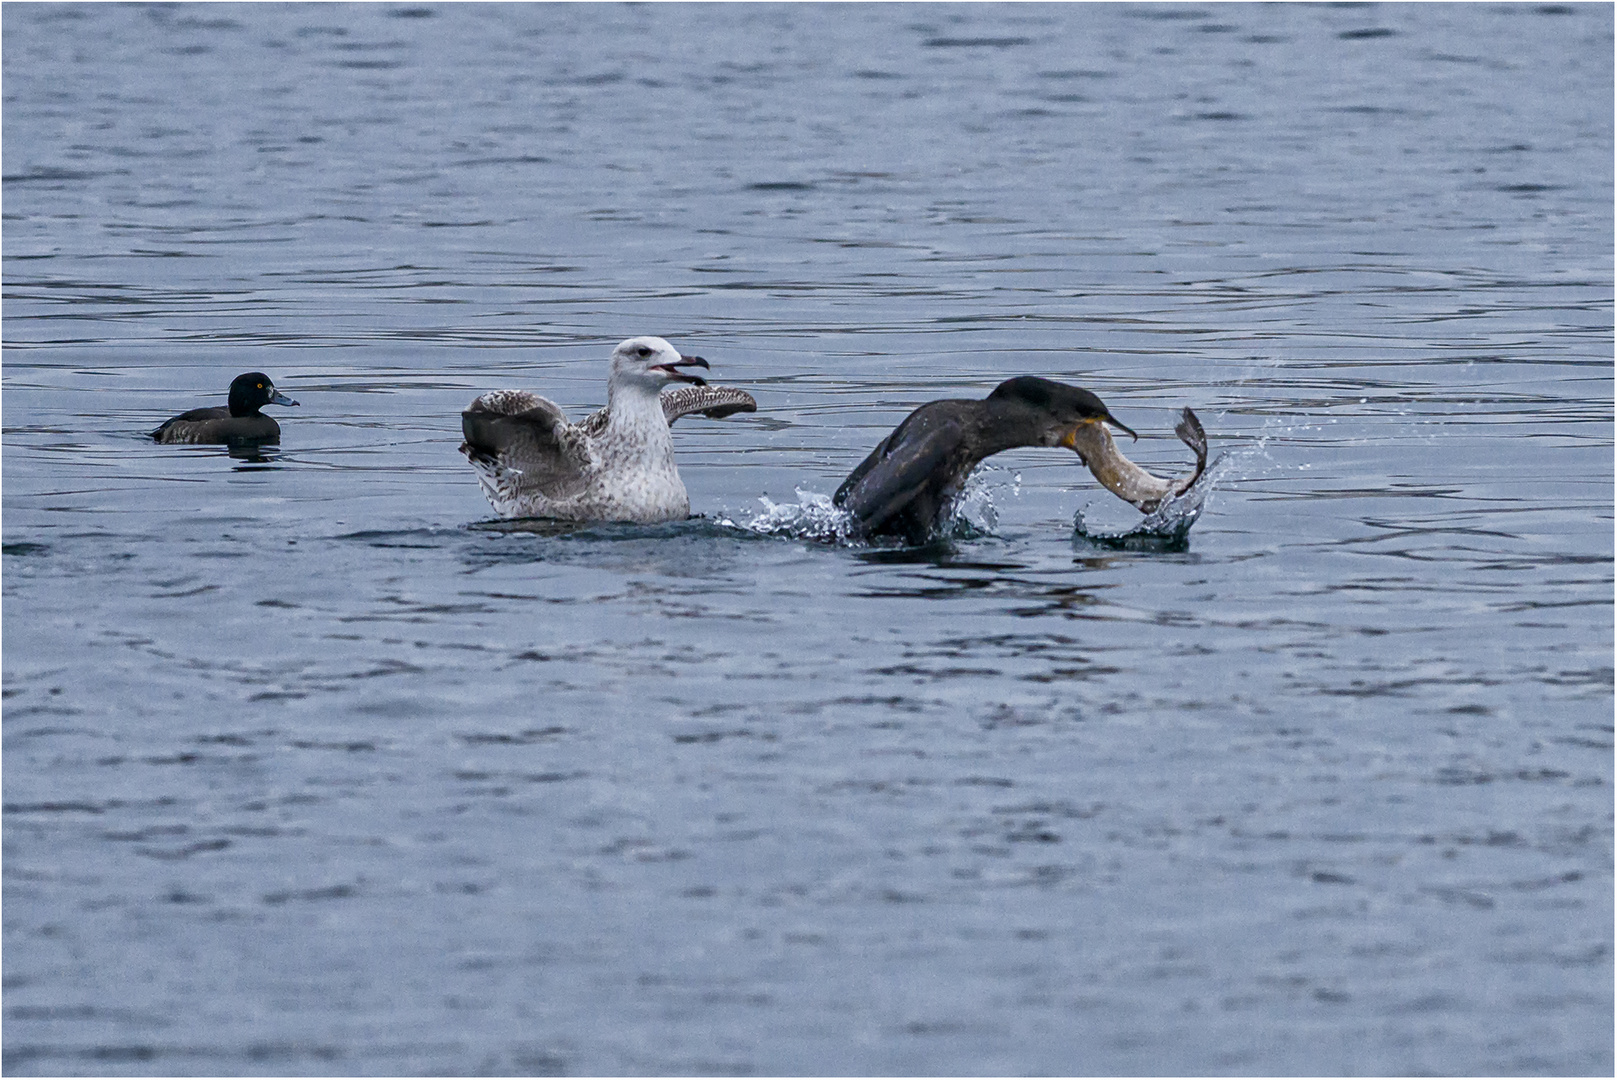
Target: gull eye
(643, 352)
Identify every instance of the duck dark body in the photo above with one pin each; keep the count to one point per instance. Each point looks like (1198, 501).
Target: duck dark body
(914, 474)
(238, 422)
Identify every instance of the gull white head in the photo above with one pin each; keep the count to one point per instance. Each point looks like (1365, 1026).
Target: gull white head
(651, 363)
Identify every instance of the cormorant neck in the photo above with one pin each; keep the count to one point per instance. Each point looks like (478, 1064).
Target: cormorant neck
(1005, 424)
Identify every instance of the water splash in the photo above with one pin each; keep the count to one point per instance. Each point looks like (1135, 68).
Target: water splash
(972, 516)
(812, 517)
(974, 512)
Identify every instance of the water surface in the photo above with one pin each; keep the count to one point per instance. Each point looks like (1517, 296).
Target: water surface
(313, 768)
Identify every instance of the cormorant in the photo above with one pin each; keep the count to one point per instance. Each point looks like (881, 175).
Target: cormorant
(914, 475)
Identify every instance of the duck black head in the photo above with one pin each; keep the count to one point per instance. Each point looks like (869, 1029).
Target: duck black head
(1066, 406)
(251, 391)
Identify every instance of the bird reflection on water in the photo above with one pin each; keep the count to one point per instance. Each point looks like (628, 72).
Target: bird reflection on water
(254, 457)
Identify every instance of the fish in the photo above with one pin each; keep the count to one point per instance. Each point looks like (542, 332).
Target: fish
(1095, 448)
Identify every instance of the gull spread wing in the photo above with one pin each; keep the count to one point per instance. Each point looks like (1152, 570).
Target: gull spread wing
(523, 441)
(712, 402)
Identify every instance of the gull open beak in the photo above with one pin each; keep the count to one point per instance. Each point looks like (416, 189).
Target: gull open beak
(683, 361)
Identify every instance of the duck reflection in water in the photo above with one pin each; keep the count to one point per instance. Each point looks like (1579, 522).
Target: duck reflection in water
(253, 456)
(908, 484)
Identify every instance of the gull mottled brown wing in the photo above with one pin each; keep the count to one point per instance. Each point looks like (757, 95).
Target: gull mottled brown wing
(522, 442)
(713, 402)
(594, 425)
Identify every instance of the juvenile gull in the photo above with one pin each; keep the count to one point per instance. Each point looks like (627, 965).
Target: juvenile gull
(615, 465)
(237, 422)
(909, 482)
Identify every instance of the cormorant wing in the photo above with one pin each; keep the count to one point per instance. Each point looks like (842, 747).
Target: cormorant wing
(901, 466)
(513, 431)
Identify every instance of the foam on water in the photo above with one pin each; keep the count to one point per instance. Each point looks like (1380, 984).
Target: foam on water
(974, 510)
(812, 517)
(972, 516)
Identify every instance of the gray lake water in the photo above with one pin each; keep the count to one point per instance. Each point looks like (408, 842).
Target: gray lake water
(313, 767)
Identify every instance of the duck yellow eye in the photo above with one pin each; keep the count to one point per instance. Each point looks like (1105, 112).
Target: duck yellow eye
(261, 386)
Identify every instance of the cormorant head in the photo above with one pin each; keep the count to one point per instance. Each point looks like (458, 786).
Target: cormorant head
(250, 391)
(1067, 407)
(651, 362)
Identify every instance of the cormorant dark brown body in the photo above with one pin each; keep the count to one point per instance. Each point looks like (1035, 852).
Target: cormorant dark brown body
(912, 477)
